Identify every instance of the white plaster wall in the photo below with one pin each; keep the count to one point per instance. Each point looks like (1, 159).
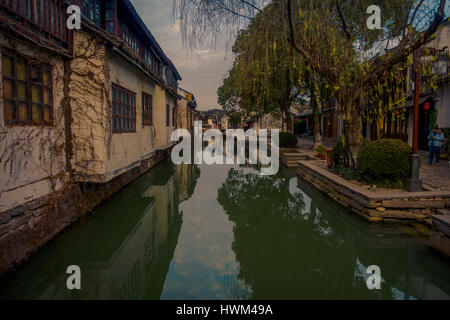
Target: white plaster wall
(125, 149)
(443, 107)
(32, 158)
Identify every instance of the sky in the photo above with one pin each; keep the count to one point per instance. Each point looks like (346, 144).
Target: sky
(202, 70)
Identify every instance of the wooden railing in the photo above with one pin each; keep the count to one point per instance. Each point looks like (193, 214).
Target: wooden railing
(47, 15)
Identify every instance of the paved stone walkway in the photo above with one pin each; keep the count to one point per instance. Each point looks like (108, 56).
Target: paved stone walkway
(308, 142)
(435, 176)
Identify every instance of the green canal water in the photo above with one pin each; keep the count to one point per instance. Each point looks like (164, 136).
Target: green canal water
(225, 232)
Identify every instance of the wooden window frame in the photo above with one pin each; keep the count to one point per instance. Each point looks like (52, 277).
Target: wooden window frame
(123, 119)
(147, 109)
(173, 116)
(48, 15)
(130, 38)
(29, 83)
(167, 115)
(90, 6)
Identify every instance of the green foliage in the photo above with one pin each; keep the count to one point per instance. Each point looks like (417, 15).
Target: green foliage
(234, 118)
(347, 173)
(287, 140)
(446, 147)
(386, 161)
(433, 118)
(364, 141)
(321, 150)
(266, 72)
(339, 153)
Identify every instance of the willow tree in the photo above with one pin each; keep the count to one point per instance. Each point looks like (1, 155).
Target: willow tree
(331, 35)
(266, 75)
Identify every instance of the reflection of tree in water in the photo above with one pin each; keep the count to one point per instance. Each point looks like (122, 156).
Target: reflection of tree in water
(253, 193)
(284, 252)
(235, 289)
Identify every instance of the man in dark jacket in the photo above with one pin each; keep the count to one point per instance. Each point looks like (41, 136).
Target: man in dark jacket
(436, 141)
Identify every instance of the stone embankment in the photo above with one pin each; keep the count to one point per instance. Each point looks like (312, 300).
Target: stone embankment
(375, 206)
(440, 233)
(26, 228)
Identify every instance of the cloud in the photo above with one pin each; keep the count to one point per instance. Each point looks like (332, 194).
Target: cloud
(202, 69)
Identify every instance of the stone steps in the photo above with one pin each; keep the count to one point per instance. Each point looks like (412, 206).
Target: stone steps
(291, 159)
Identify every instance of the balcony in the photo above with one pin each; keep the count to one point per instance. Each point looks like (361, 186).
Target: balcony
(45, 16)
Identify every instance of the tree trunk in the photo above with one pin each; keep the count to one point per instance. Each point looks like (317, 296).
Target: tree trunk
(354, 132)
(316, 112)
(353, 136)
(316, 129)
(287, 119)
(289, 126)
(352, 127)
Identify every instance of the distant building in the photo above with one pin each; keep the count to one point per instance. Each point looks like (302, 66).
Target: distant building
(186, 110)
(213, 119)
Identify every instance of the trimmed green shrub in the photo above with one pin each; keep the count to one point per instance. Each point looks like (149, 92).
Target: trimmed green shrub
(386, 161)
(287, 140)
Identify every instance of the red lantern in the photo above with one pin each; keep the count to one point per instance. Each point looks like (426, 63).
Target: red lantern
(426, 107)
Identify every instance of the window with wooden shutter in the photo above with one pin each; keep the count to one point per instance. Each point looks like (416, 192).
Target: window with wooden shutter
(27, 91)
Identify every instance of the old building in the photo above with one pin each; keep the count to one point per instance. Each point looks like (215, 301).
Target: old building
(186, 110)
(434, 102)
(83, 111)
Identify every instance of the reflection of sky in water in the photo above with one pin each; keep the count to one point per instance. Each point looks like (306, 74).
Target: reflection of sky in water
(203, 266)
(293, 188)
(136, 246)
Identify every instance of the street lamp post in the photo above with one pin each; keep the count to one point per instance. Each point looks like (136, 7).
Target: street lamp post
(414, 183)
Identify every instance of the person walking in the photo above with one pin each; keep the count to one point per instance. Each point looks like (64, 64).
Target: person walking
(436, 140)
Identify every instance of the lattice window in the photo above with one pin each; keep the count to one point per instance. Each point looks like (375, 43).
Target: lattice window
(124, 110)
(27, 91)
(147, 109)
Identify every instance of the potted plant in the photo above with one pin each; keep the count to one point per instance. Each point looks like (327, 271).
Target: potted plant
(321, 152)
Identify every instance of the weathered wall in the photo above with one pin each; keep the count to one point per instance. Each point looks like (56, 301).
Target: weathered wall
(443, 107)
(100, 154)
(159, 117)
(89, 96)
(182, 117)
(32, 158)
(27, 227)
(127, 149)
(442, 40)
(268, 122)
(171, 101)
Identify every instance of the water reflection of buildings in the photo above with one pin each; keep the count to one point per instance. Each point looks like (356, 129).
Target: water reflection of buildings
(124, 250)
(186, 175)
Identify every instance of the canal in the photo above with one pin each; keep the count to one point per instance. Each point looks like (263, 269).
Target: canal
(225, 232)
